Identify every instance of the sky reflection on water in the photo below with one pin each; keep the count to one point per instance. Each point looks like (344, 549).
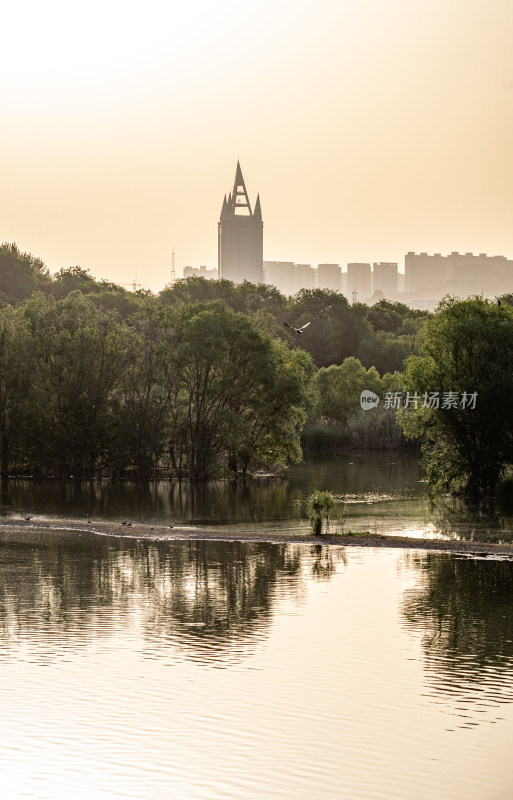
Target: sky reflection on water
(213, 669)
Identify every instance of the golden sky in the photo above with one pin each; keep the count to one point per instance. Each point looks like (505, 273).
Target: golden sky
(369, 127)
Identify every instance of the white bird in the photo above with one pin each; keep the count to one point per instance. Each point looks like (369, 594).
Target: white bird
(299, 331)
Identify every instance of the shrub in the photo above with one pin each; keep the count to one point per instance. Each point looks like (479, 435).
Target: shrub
(376, 429)
(323, 436)
(320, 505)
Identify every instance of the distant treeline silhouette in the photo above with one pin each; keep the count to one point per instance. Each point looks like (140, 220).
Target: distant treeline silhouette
(198, 381)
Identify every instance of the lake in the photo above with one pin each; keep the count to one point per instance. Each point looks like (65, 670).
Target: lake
(380, 492)
(202, 669)
(208, 669)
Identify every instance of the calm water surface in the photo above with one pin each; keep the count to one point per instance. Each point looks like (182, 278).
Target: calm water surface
(235, 670)
(378, 492)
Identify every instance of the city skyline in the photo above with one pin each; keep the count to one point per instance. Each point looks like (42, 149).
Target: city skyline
(369, 130)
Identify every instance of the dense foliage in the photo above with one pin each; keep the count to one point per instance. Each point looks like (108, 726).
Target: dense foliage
(191, 391)
(468, 349)
(203, 379)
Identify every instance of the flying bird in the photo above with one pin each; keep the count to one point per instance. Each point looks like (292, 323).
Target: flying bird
(297, 330)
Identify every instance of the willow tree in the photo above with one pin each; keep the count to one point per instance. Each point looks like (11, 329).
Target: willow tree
(140, 407)
(464, 383)
(16, 379)
(236, 395)
(80, 351)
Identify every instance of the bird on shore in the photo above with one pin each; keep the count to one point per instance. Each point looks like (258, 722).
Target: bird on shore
(300, 330)
(27, 519)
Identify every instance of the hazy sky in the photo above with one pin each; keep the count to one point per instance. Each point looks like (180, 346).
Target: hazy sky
(369, 127)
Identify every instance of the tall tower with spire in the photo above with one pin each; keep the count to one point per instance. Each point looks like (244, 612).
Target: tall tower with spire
(240, 236)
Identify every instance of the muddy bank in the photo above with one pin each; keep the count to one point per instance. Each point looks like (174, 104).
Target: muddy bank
(184, 533)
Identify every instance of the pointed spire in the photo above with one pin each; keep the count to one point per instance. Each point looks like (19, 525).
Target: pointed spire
(238, 174)
(240, 197)
(258, 211)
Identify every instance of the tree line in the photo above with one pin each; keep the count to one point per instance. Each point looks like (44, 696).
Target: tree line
(382, 335)
(203, 379)
(200, 380)
(192, 391)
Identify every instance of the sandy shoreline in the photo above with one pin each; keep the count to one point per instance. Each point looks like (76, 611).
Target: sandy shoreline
(187, 533)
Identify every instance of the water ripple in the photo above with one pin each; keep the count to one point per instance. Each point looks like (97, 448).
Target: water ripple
(220, 670)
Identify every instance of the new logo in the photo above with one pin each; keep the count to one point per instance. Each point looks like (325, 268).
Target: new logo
(368, 400)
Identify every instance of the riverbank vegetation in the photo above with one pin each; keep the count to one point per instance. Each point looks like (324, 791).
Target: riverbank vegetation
(203, 379)
(320, 507)
(467, 442)
(190, 392)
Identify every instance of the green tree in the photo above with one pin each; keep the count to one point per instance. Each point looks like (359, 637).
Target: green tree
(387, 316)
(336, 330)
(236, 396)
(396, 334)
(338, 388)
(468, 348)
(20, 274)
(80, 351)
(386, 351)
(248, 298)
(16, 379)
(319, 507)
(73, 279)
(271, 418)
(118, 300)
(199, 290)
(140, 408)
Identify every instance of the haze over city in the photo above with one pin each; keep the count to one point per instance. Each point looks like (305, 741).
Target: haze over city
(368, 129)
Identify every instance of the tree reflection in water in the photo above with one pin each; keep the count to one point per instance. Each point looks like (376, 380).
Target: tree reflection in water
(325, 560)
(81, 588)
(162, 502)
(464, 609)
(455, 519)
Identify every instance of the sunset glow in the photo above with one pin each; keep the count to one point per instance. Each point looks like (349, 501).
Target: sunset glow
(369, 129)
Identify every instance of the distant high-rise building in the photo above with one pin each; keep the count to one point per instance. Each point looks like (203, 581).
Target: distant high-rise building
(305, 277)
(288, 277)
(429, 278)
(425, 275)
(329, 276)
(384, 278)
(281, 275)
(200, 272)
(240, 236)
(359, 281)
